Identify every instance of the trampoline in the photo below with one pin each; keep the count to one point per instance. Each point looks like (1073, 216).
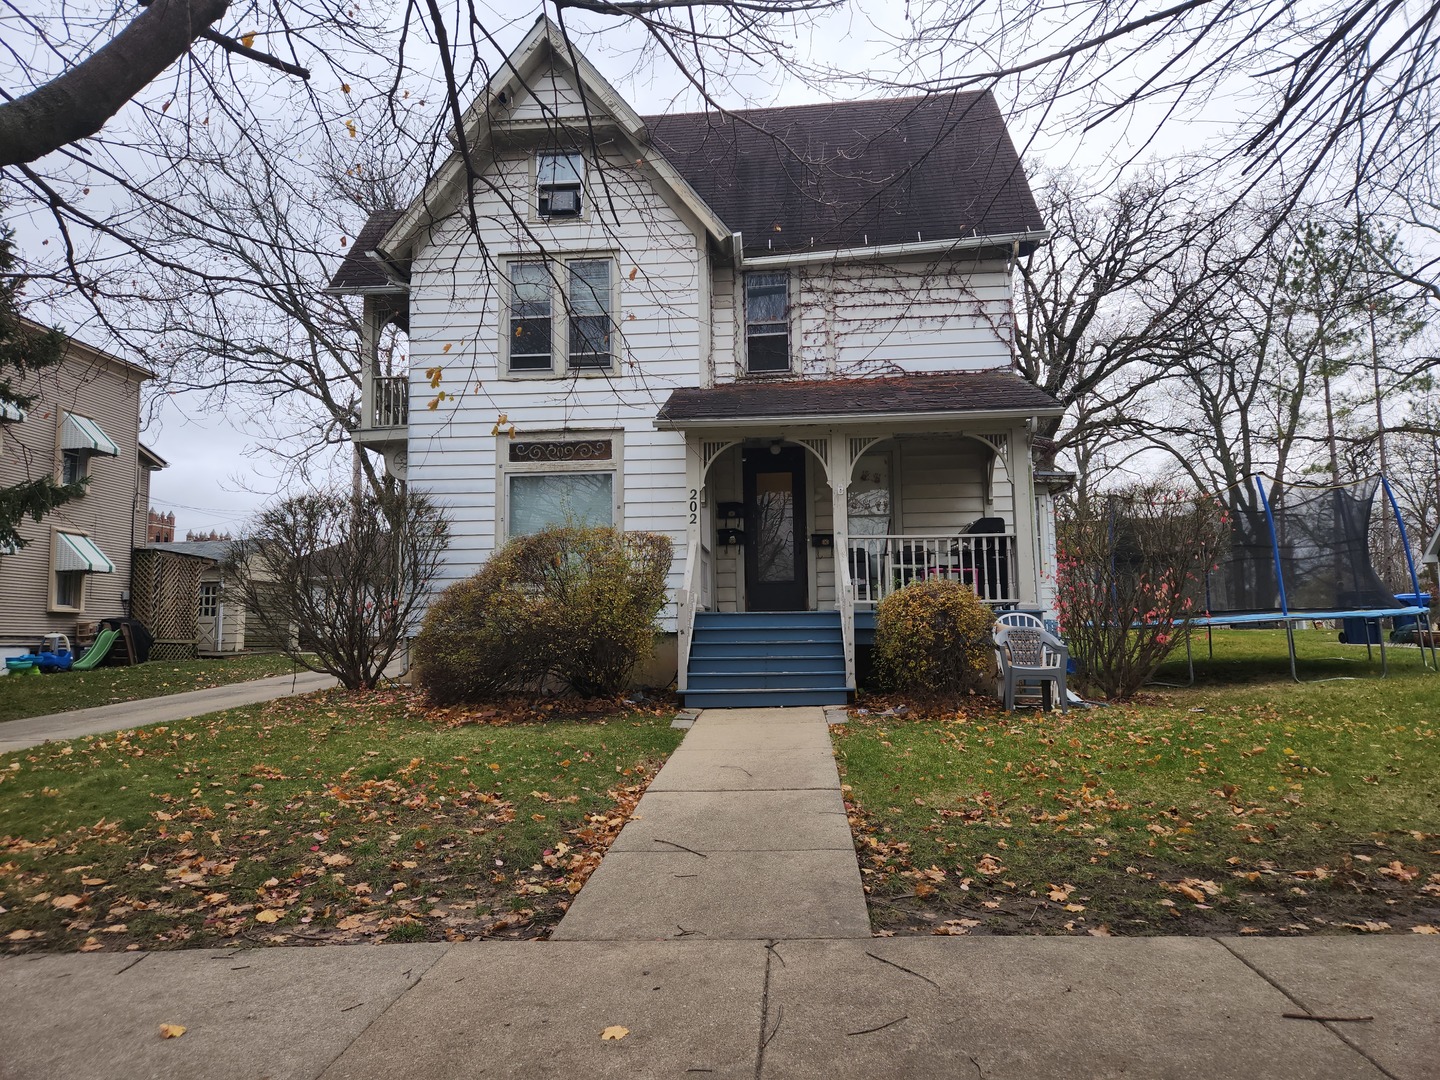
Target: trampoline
(1301, 553)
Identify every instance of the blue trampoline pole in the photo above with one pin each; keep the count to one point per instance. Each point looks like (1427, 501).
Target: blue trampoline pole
(1422, 620)
(1279, 574)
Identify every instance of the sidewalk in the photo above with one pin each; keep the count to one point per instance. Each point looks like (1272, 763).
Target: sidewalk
(992, 1008)
(742, 834)
(34, 730)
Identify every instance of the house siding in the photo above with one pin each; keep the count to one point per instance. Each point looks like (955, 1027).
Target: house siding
(860, 319)
(457, 301)
(112, 511)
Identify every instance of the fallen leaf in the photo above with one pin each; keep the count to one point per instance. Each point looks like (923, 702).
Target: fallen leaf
(20, 935)
(1369, 926)
(1099, 931)
(1424, 930)
(269, 915)
(614, 1033)
(68, 902)
(171, 1031)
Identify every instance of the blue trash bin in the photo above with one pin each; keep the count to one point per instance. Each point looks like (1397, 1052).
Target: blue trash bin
(1358, 631)
(1410, 599)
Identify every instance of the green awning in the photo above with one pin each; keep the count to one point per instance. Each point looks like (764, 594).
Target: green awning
(82, 433)
(76, 552)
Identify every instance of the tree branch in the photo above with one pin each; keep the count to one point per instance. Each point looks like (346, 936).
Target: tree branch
(78, 102)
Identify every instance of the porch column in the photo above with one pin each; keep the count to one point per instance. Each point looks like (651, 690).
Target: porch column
(369, 355)
(1022, 488)
(839, 469)
(689, 595)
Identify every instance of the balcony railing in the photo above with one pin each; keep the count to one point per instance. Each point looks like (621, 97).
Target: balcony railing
(879, 565)
(391, 401)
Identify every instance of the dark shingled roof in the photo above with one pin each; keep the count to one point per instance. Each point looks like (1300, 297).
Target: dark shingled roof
(978, 391)
(358, 271)
(854, 173)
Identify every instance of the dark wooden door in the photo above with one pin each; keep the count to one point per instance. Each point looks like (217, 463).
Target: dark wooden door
(776, 572)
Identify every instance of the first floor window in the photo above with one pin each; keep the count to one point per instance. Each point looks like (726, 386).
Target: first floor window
(767, 321)
(209, 599)
(69, 589)
(538, 500)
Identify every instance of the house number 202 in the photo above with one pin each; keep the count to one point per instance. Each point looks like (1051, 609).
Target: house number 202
(694, 506)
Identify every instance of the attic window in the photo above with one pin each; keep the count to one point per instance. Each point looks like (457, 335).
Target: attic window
(560, 179)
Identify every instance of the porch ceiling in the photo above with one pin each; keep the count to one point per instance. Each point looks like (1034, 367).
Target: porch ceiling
(969, 396)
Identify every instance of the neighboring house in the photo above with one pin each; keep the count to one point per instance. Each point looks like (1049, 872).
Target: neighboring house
(75, 565)
(783, 338)
(186, 582)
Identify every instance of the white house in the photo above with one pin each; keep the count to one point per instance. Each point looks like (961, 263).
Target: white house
(781, 336)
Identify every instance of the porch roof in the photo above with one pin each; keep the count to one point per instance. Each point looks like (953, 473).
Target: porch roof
(968, 395)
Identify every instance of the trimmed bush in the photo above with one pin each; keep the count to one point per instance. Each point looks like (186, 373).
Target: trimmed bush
(574, 605)
(934, 637)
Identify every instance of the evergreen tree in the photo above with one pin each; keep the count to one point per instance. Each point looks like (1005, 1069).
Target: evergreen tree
(24, 349)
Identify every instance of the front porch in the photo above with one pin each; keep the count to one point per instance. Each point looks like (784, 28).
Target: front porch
(826, 495)
(832, 522)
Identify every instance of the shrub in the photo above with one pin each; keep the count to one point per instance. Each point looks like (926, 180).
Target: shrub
(573, 604)
(934, 637)
(1130, 581)
(340, 576)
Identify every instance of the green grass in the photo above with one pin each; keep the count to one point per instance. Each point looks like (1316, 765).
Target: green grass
(1245, 804)
(327, 817)
(29, 695)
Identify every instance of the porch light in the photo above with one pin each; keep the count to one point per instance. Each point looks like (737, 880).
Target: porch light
(775, 447)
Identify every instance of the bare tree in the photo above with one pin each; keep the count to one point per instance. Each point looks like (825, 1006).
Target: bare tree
(340, 580)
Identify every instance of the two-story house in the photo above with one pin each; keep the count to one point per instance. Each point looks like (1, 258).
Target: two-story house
(781, 336)
(75, 564)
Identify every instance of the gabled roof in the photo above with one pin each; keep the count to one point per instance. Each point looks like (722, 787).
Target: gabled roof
(933, 172)
(358, 272)
(997, 392)
(855, 174)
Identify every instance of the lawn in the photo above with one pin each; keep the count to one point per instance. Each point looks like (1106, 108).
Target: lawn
(1247, 804)
(330, 817)
(29, 695)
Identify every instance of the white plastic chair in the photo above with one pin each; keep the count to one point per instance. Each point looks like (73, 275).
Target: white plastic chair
(1020, 618)
(1030, 654)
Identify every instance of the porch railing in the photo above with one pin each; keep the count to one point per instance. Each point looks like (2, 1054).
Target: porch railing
(391, 401)
(879, 565)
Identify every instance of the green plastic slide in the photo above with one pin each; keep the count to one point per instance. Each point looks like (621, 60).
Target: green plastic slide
(97, 652)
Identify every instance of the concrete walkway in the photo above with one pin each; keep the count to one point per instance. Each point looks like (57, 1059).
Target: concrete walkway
(742, 834)
(990, 1008)
(34, 730)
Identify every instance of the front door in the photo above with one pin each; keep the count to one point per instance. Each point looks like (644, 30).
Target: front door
(776, 577)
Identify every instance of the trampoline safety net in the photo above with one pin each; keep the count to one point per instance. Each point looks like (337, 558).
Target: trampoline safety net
(1322, 536)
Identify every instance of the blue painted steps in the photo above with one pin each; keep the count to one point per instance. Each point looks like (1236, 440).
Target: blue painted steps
(864, 626)
(766, 659)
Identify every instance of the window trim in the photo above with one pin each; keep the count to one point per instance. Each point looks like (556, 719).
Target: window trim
(505, 469)
(789, 320)
(560, 314)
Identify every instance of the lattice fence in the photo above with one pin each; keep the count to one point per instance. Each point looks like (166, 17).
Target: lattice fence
(165, 597)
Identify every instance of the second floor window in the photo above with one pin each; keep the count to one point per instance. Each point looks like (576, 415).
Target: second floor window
(565, 309)
(560, 183)
(530, 289)
(767, 322)
(589, 304)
